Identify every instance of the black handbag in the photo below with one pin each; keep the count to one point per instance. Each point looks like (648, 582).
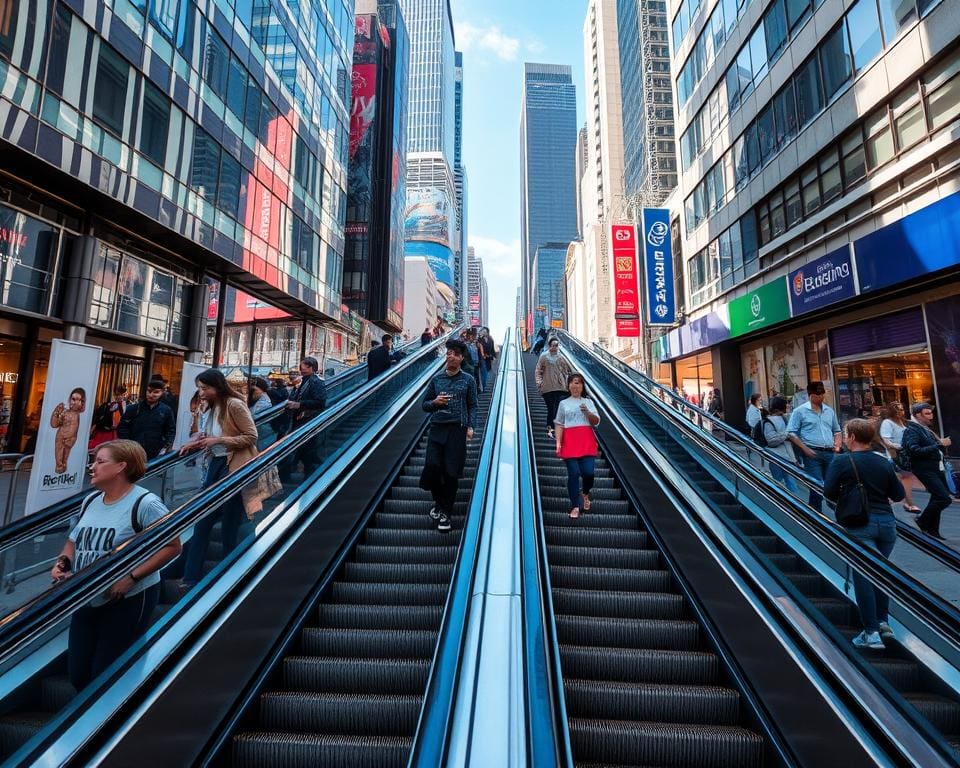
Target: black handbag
(853, 506)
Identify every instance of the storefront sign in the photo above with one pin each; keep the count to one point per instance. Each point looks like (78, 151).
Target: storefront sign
(61, 456)
(822, 282)
(623, 239)
(923, 242)
(628, 328)
(658, 252)
(765, 306)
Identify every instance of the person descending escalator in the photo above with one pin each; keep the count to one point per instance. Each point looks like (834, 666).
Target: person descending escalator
(451, 401)
(576, 443)
(551, 377)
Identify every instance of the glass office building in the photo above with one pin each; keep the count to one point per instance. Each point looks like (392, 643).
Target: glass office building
(549, 263)
(432, 72)
(819, 196)
(548, 140)
(155, 154)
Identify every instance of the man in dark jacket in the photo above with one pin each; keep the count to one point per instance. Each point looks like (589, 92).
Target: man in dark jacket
(925, 450)
(149, 422)
(426, 337)
(381, 357)
(305, 402)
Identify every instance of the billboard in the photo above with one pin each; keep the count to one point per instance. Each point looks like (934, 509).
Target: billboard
(428, 216)
(623, 239)
(439, 257)
(822, 282)
(658, 265)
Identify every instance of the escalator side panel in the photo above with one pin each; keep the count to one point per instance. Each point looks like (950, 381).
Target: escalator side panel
(817, 734)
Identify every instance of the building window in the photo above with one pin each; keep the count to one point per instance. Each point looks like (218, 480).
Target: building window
(943, 94)
(908, 118)
(810, 182)
(110, 91)
(206, 162)
(775, 29)
(835, 61)
(830, 175)
(155, 124)
(895, 15)
(864, 29)
(880, 149)
(809, 95)
(854, 158)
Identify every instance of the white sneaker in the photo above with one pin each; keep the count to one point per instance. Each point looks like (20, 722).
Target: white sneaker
(434, 513)
(869, 640)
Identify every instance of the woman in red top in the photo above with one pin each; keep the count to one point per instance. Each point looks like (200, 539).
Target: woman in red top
(576, 443)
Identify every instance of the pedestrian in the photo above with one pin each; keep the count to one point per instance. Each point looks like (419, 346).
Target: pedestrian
(451, 401)
(306, 401)
(426, 337)
(576, 443)
(778, 442)
(861, 466)
(168, 399)
(116, 512)
(815, 431)
(925, 451)
(150, 422)
(715, 404)
(106, 417)
(892, 428)
(754, 411)
(489, 347)
(258, 401)
(483, 365)
(381, 357)
(551, 377)
(277, 391)
(541, 340)
(229, 441)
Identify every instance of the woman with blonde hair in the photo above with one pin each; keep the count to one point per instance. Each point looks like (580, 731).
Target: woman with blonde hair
(892, 427)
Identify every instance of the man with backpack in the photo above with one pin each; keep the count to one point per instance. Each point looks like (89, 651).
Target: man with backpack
(925, 451)
(771, 433)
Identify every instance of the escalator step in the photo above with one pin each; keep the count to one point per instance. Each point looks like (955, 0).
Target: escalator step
(628, 633)
(768, 544)
(369, 715)
(408, 507)
(593, 519)
(369, 593)
(375, 643)
(836, 611)
(943, 713)
(415, 573)
(366, 553)
(617, 579)
(598, 495)
(901, 674)
(603, 557)
(711, 705)
(810, 584)
(420, 495)
(665, 744)
(417, 521)
(569, 534)
(622, 605)
(383, 617)
(653, 665)
(17, 728)
(56, 691)
(295, 750)
(412, 537)
(327, 674)
(752, 527)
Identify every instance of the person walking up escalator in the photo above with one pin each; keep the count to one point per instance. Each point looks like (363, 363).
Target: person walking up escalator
(576, 443)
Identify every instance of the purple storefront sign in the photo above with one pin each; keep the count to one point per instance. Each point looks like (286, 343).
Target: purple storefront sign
(701, 333)
(820, 283)
(901, 329)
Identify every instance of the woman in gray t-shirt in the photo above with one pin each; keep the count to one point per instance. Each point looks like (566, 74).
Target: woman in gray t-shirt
(116, 512)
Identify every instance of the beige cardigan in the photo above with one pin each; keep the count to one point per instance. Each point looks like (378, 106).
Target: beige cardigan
(240, 438)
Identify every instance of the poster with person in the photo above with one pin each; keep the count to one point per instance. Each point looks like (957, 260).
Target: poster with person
(187, 406)
(60, 460)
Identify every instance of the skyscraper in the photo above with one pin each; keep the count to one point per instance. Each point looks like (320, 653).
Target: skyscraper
(548, 137)
(461, 267)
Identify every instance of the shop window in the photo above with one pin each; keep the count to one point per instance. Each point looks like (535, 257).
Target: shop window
(864, 28)
(830, 175)
(810, 182)
(880, 149)
(854, 158)
(27, 257)
(908, 119)
(835, 61)
(809, 95)
(155, 124)
(864, 387)
(110, 90)
(895, 15)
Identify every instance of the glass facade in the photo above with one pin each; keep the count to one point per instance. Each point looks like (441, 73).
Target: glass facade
(431, 102)
(548, 265)
(548, 127)
(224, 122)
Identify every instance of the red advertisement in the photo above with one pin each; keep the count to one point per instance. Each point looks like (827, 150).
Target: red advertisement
(628, 328)
(623, 239)
(364, 103)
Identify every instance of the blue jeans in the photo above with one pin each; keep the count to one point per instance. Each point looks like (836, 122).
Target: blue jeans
(879, 534)
(230, 515)
(484, 375)
(576, 469)
(784, 478)
(816, 466)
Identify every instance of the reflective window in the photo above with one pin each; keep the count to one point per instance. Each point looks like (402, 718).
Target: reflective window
(236, 87)
(864, 27)
(835, 61)
(206, 163)
(895, 15)
(830, 175)
(155, 124)
(758, 54)
(228, 187)
(163, 14)
(797, 10)
(765, 133)
(809, 96)
(908, 118)
(216, 62)
(775, 28)
(810, 183)
(880, 148)
(854, 158)
(943, 103)
(110, 91)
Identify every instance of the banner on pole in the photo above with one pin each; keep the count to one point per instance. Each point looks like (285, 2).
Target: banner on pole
(60, 460)
(658, 267)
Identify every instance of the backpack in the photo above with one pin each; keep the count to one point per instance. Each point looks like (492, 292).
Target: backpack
(757, 434)
(134, 510)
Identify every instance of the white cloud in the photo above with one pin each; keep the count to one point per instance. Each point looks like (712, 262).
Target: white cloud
(536, 47)
(487, 39)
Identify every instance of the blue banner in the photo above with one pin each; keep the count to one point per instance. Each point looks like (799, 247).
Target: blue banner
(822, 282)
(658, 267)
(439, 257)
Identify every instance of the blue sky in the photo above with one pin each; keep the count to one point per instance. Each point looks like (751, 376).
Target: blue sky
(497, 37)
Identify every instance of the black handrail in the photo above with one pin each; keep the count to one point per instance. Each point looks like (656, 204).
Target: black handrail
(915, 596)
(27, 528)
(939, 551)
(53, 606)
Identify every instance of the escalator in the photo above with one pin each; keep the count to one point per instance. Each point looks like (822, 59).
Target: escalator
(641, 685)
(350, 692)
(932, 706)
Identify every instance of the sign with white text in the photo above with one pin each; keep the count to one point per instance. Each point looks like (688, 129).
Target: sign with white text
(658, 263)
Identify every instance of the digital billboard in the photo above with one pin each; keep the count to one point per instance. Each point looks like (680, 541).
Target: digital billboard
(428, 217)
(439, 257)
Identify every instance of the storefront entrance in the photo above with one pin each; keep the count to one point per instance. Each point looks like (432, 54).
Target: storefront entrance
(10, 355)
(695, 377)
(864, 387)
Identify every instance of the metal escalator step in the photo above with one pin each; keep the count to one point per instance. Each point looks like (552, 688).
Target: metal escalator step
(420, 507)
(366, 715)
(639, 665)
(555, 468)
(366, 553)
(901, 674)
(407, 573)
(617, 579)
(420, 495)
(297, 750)
(766, 544)
(595, 518)
(56, 692)
(371, 643)
(707, 704)
(752, 527)
(411, 520)
(603, 557)
(559, 483)
(598, 495)
(943, 713)
(327, 674)
(679, 634)
(421, 536)
(784, 561)
(368, 593)
(570, 535)
(810, 584)
(669, 745)
(836, 611)
(17, 728)
(380, 616)
(623, 605)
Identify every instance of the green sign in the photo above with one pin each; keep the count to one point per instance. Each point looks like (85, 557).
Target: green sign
(767, 305)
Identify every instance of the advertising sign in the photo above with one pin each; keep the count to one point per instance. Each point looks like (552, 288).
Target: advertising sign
(187, 390)
(439, 257)
(60, 460)
(823, 282)
(363, 105)
(658, 261)
(623, 239)
(765, 306)
(427, 216)
(628, 328)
